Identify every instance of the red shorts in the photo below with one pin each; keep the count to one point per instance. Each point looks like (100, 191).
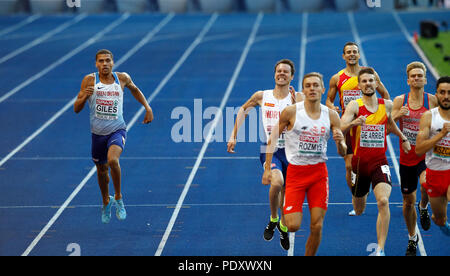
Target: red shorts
(437, 183)
(309, 180)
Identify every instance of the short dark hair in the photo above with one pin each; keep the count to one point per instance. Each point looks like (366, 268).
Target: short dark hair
(104, 52)
(350, 43)
(366, 70)
(313, 74)
(288, 62)
(444, 79)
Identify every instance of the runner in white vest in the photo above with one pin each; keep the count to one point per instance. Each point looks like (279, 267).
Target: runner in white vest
(104, 93)
(308, 125)
(272, 103)
(434, 140)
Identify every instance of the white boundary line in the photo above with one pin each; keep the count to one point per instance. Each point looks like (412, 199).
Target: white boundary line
(172, 205)
(244, 54)
(20, 24)
(66, 57)
(43, 37)
(435, 74)
(388, 139)
(93, 169)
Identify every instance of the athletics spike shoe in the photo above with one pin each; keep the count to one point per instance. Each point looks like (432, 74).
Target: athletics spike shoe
(284, 237)
(270, 229)
(411, 250)
(121, 213)
(424, 218)
(106, 210)
(380, 253)
(445, 229)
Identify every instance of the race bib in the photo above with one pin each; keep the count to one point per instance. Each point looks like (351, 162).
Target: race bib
(372, 136)
(350, 95)
(442, 148)
(310, 145)
(106, 109)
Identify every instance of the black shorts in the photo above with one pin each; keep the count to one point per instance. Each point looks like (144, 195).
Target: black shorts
(377, 173)
(409, 176)
(348, 142)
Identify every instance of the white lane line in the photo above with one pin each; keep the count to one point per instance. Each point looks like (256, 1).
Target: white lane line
(19, 25)
(388, 138)
(40, 74)
(416, 47)
(435, 74)
(66, 57)
(43, 38)
(93, 169)
(242, 59)
(172, 205)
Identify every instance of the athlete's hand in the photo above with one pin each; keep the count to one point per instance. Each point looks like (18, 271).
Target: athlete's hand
(267, 177)
(231, 144)
(446, 129)
(338, 136)
(406, 146)
(361, 120)
(292, 91)
(404, 111)
(148, 117)
(88, 91)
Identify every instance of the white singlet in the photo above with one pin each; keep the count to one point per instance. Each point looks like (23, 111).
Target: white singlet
(306, 142)
(271, 109)
(438, 158)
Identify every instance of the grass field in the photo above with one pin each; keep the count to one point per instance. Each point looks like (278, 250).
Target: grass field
(436, 55)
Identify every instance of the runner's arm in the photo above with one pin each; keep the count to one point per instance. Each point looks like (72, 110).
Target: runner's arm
(423, 142)
(381, 88)
(283, 123)
(86, 90)
(139, 96)
(254, 101)
(338, 136)
(398, 110)
(331, 96)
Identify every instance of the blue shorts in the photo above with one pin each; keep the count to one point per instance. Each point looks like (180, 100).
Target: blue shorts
(279, 161)
(101, 144)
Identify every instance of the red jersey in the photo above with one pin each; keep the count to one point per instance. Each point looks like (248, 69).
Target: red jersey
(348, 89)
(369, 140)
(409, 125)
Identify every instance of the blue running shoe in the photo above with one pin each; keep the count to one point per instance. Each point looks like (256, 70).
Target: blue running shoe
(120, 210)
(106, 210)
(380, 253)
(445, 229)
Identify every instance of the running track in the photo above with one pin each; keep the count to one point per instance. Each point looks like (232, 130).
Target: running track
(185, 198)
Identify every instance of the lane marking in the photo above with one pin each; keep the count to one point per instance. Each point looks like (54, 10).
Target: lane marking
(175, 213)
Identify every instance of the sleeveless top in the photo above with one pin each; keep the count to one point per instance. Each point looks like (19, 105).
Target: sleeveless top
(438, 158)
(106, 107)
(409, 125)
(306, 142)
(271, 109)
(348, 89)
(369, 140)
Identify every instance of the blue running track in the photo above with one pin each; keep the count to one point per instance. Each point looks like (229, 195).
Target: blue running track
(188, 198)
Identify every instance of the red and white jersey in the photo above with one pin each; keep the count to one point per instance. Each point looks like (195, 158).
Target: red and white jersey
(271, 109)
(438, 158)
(409, 125)
(306, 142)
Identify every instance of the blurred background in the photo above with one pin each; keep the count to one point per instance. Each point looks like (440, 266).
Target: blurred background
(208, 6)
